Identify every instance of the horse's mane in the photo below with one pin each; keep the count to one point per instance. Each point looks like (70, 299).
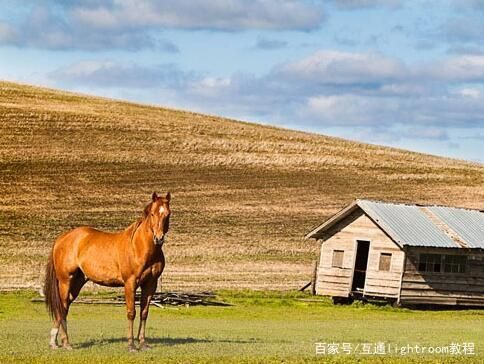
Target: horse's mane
(147, 210)
(138, 222)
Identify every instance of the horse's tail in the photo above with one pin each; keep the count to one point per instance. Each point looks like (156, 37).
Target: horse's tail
(51, 291)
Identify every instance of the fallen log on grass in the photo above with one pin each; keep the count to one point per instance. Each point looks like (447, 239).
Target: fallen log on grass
(159, 299)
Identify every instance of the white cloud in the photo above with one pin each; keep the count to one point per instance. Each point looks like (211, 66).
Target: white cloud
(353, 110)
(49, 29)
(361, 4)
(464, 68)
(137, 24)
(108, 74)
(214, 15)
(209, 86)
(335, 67)
(427, 133)
(474, 93)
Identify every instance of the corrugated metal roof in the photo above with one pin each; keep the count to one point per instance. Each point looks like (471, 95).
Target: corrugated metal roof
(429, 226)
(406, 224)
(468, 224)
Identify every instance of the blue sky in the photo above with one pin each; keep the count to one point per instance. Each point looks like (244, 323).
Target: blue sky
(408, 74)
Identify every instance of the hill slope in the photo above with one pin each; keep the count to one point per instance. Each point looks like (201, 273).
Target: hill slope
(244, 194)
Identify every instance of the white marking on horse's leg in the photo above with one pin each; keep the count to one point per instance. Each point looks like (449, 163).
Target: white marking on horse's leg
(53, 337)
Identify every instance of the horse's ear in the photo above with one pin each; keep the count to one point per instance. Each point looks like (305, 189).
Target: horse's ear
(154, 197)
(168, 196)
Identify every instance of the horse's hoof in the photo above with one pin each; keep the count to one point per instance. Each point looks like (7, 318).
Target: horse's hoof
(53, 346)
(67, 347)
(132, 349)
(144, 347)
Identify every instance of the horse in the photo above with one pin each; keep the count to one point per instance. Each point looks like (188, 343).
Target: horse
(130, 258)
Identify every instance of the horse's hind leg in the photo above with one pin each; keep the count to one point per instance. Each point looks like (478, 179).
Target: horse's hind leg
(53, 333)
(69, 290)
(61, 321)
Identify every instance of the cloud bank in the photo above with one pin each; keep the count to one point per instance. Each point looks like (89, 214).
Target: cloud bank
(139, 24)
(327, 88)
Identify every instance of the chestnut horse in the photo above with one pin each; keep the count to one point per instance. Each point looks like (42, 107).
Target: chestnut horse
(130, 258)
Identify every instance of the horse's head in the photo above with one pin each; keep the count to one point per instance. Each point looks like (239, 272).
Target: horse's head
(158, 215)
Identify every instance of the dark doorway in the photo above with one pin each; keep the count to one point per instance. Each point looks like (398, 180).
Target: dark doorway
(361, 262)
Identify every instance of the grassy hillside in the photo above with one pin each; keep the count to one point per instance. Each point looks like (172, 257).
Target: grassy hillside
(243, 194)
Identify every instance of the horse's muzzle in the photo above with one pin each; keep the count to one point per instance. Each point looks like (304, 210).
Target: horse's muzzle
(159, 241)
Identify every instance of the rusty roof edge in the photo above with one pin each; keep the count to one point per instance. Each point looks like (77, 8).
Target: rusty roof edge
(468, 225)
(481, 210)
(445, 228)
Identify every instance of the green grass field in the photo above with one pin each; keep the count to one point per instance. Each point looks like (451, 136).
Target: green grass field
(259, 327)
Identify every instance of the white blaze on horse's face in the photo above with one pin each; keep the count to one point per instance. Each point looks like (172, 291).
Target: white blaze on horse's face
(160, 217)
(161, 223)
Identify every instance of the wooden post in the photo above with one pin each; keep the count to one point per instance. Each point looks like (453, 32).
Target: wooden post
(315, 277)
(401, 276)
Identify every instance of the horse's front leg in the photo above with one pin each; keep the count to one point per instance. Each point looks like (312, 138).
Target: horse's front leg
(129, 293)
(147, 290)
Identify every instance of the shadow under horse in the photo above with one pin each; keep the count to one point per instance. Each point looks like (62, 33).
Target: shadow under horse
(130, 258)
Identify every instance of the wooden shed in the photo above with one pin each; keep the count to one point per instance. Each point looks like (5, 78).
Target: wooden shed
(409, 254)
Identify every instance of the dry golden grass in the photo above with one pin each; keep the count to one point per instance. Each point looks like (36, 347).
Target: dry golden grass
(244, 194)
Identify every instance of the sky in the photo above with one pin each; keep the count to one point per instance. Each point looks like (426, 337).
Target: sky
(407, 74)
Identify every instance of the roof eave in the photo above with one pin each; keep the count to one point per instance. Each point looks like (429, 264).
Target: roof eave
(313, 234)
